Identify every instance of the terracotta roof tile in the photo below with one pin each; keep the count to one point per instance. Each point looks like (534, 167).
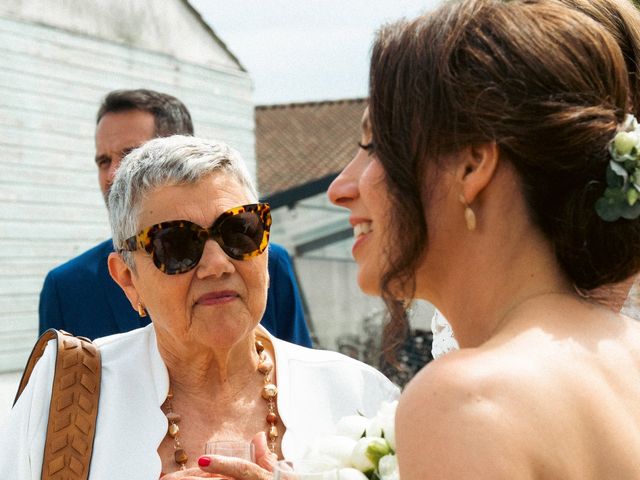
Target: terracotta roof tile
(299, 143)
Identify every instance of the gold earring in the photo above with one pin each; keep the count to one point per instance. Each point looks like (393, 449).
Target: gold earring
(469, 215)
(141, 310)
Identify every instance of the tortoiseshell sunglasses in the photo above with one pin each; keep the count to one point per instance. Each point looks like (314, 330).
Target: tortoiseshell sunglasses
(176, 246)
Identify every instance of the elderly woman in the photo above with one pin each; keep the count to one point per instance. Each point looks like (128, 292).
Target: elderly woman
(498, 178)
(191, 240)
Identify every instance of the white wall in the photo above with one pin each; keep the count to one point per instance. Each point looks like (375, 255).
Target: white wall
(51, 83)
(337, 306)
(163, 26)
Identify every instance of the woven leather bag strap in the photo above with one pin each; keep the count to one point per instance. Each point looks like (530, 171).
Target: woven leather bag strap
(74, 405)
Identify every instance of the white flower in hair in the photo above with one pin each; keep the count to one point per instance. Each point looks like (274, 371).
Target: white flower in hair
(620, 198)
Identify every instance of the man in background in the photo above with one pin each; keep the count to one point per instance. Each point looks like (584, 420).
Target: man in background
(80, 297)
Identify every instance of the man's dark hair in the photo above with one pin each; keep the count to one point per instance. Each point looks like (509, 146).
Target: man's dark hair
(170, 114)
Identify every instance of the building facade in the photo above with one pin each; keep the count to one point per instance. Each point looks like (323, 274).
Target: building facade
(58, 58)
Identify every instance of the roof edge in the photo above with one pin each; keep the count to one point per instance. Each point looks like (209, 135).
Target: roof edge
(217, 39)
(277, 106)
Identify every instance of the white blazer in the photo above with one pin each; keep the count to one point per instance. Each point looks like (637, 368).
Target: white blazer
(315, 389)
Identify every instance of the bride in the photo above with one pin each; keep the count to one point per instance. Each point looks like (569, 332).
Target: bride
(497, 178)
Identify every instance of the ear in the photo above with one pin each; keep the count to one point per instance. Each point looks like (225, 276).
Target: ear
(477, 170)
(123, 276)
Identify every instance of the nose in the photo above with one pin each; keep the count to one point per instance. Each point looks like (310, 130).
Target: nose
(214, 262)
(344, 189)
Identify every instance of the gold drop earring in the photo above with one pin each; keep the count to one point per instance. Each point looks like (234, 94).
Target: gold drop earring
(469, 215)
(141, 310)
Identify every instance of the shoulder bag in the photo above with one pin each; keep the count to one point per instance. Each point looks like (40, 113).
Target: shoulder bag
(74, 404)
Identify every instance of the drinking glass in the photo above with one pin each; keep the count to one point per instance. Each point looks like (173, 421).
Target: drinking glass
(231, 448)
(305, 470)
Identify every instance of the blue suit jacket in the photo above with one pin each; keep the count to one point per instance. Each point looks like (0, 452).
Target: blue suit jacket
(81, 297)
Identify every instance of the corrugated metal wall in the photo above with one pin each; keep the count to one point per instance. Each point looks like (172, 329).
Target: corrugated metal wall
(51, 83)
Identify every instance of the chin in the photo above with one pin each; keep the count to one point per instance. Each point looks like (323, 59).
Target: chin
(369, 284)
(226, 329)
(222, 338)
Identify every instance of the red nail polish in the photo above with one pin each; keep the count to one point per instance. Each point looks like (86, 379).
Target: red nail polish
(204, 461)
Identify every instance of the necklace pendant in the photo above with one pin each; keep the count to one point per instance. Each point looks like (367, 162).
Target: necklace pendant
(269, 391)
(272, 418)
(265, 367)
(180, 457)
(173, 417)
(173, 430)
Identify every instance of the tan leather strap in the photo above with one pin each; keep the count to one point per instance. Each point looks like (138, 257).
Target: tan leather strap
(74, 405)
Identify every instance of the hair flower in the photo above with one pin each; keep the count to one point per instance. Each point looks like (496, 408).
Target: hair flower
(620, 198)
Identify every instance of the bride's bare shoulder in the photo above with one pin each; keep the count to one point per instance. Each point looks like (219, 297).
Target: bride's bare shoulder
(504, 407)
(464, 415)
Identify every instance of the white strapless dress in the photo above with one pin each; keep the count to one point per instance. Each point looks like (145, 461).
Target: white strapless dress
(443, 339)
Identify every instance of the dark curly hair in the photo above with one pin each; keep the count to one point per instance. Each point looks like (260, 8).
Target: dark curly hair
(548, 83)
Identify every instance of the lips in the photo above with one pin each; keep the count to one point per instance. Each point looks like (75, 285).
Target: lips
(360, 231)
(218, 297)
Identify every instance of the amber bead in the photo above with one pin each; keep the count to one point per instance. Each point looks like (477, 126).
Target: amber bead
(265, 367)
(273, 432)
(272, 417)
(269, 391)
(173, 430)
(180, 456)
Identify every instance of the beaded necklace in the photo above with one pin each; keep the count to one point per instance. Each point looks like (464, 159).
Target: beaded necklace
(269, 392)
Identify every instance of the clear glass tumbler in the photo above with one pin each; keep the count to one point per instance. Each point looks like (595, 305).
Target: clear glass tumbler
(231, 448)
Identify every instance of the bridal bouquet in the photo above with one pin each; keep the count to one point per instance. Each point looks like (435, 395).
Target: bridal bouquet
(363, 448)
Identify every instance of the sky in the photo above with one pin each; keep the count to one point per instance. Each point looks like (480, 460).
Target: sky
(304, 50)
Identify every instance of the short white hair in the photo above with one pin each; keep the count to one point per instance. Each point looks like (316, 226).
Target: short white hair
(176, 160)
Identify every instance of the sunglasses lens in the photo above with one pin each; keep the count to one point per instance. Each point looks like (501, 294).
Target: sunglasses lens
(177, 249)
(177, 246)
(241, 234)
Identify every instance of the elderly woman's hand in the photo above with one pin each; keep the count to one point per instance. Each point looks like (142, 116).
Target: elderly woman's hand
(239, 469)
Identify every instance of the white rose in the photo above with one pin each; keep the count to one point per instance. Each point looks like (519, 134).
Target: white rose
(374, 429)
(388, 468)
(320, 458)
(351, 474)
(389, 431)
(359, 457)
(353, 426)
(336, 447)
(368, 451)
(625, 141)
(387, 420)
